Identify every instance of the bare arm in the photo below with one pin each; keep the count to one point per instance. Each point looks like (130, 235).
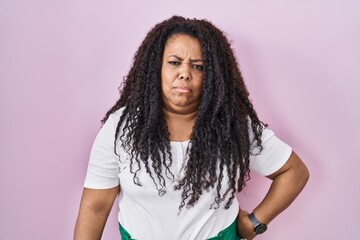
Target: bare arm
(287, 183)
(95, 207)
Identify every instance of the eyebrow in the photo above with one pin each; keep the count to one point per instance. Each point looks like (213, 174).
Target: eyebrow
(192, 60)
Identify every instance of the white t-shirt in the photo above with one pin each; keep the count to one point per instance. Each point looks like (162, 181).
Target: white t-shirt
(146, 215)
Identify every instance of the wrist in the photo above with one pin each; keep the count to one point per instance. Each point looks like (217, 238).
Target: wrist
(244, 227)
(259, 227)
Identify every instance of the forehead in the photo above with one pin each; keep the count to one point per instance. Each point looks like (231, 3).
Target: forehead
(183, 42)
(177, 36)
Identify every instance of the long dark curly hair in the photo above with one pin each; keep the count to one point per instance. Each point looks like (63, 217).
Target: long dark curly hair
(220, 141)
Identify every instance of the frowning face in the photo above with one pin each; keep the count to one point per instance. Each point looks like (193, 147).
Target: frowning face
(182, 74)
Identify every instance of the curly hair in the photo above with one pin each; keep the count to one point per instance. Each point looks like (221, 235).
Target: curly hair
(220, 141)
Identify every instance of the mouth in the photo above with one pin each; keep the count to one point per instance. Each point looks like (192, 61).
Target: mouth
(182, 89)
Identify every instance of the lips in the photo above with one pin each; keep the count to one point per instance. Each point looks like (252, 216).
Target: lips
(182, 89)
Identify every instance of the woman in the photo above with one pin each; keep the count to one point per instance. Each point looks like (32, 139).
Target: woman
(180, 142)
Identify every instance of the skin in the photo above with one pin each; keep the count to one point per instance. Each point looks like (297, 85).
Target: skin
(181, 83)
(94, 210)
(286, 185)
(182, 74)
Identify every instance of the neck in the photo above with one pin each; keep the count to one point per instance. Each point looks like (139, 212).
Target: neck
(180, 125)
(176, 116)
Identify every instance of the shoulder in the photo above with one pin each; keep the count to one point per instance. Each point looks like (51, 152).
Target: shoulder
(117, 114)
(114, 118)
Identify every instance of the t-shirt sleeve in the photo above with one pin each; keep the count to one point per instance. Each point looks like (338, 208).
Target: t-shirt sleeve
(103, 167)
(274, 155)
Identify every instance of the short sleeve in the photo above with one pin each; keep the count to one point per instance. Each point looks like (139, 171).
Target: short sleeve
(103, 167)
(274, 155)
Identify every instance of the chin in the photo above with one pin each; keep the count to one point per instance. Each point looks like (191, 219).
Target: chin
(181, 104)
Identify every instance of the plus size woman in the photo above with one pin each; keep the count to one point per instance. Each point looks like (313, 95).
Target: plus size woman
(180, 142)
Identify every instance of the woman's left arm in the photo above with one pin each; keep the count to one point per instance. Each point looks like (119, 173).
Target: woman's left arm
(286, 185)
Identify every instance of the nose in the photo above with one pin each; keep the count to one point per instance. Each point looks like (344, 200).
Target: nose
(185, 73)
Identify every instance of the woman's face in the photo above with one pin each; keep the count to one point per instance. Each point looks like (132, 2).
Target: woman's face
(182, 74)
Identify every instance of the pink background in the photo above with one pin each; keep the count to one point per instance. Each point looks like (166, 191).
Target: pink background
(62, 61)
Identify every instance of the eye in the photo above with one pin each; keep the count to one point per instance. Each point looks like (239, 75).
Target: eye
(174, 63)
(198, 67)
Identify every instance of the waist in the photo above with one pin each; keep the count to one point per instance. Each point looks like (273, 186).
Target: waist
(229, 233)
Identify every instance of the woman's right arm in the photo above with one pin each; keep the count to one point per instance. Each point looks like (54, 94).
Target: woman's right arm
(94, 210)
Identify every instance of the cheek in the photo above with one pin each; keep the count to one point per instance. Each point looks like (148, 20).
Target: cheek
(167, 78)
(163, 77)
(165, 82)
(199, 85)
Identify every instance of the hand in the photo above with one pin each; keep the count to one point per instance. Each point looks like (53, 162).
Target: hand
(244, 226)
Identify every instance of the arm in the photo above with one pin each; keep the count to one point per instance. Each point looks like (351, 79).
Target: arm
(95, 207)
(287, 183)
